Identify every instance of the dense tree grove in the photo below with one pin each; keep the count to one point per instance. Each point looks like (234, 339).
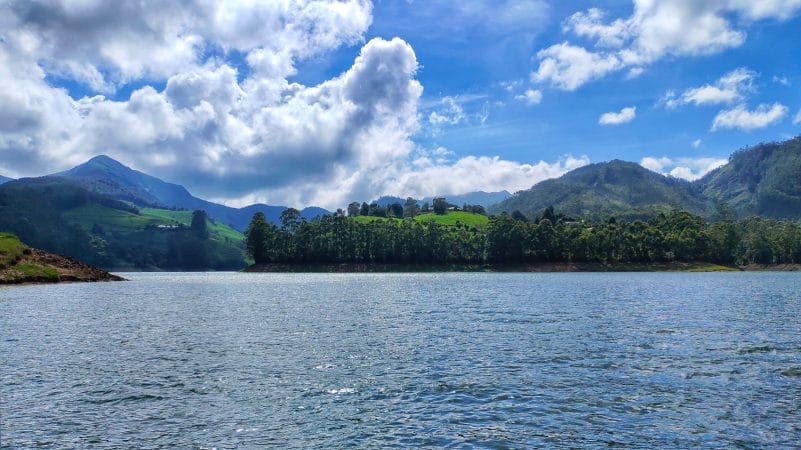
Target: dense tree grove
(677, 236)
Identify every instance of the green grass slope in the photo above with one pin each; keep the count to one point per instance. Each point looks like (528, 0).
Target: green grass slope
(169, 217)
(60, 216)
(451, 218)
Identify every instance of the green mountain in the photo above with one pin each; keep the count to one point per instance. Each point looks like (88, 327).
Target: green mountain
(764, 180)
(104, 175)
(60, 215)
(617, 188)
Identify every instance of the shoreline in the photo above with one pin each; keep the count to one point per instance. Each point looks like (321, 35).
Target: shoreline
(522, 268)
(36, 266)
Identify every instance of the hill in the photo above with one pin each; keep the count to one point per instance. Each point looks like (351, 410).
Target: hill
(616, 188)
(5, 179)
(59, 215)
(764, 180)
(106, 176)
(451, 218)
(22, 264)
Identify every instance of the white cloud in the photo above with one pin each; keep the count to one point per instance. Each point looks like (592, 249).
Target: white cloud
(685, 168)
(590, 24)
(656, 29)
(472, 173)
(696, 143)
(797, 119)
(240, 139)
(634, 72)
(531, 97)
(625, 115)
(729, 88)
(784, 81)
(744, 119)
(104, 44)
(450, 112)
(762, 9)
(568, 66)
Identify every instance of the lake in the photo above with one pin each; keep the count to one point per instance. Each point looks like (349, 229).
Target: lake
(231, 360)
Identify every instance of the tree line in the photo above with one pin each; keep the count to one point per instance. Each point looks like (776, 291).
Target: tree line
(410, 208)
(509, 239)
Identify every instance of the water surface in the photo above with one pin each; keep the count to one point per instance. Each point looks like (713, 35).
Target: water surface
(231, 360)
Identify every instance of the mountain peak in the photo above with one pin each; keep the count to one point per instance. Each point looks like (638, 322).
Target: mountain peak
(104, 159)
(100, 165)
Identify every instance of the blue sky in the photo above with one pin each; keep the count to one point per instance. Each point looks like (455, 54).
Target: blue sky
(473, 63)
(314, 102)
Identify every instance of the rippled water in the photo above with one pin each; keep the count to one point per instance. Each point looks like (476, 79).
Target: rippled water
(412, 360)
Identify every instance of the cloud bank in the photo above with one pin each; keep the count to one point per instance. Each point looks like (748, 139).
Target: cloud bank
(655, 30)
(686, 168)
(227, 122)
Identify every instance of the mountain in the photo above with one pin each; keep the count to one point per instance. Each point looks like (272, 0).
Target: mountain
(764, 180)
(482, 198)
(5, 179)
(617, 188)
(59, 215)
(109, 177)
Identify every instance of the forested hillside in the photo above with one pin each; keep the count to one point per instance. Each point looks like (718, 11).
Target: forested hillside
(60, 216)
(676, 236)
(106, 176)
(764, 180)
(616, 188)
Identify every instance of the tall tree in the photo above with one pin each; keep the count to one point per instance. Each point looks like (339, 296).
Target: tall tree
(353, 209)
(199, 227)
(290, 220)
(411, 208)
(257, 239)
(440, 205)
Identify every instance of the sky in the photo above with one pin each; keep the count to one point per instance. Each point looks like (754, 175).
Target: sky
(317, 102)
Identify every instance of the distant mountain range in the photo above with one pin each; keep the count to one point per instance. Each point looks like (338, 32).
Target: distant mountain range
(763, 180)
(110, 215)
(5, 179)
(485, 199)
(106, 176)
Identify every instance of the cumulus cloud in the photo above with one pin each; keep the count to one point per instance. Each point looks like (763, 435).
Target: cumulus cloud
(743, 118)
(228, 135)
(797, 119)
(625, 115)
(685, 168)
(656, 29)
(531, 97)
(104, 44)
(731, 87)
(567, 66)
(471, 173)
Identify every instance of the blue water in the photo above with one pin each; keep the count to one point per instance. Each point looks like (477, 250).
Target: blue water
(406, 360)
